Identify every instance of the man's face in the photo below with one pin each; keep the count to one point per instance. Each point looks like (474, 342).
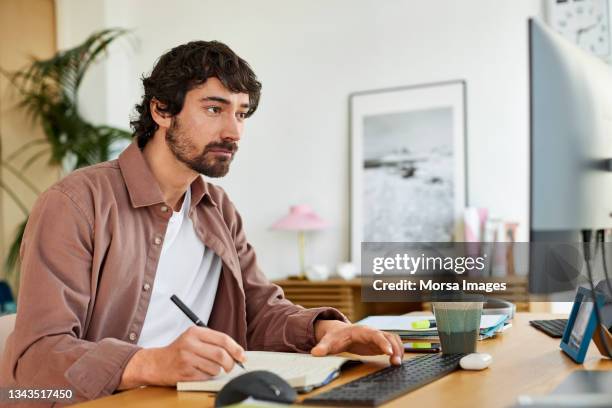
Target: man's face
(204, 135)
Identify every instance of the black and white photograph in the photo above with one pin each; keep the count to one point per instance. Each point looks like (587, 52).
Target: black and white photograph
(408, 164)
(408, 176)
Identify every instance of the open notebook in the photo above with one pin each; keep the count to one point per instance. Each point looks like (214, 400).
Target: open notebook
(301, 371)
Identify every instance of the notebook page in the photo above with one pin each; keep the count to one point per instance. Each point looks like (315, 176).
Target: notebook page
(299, 370)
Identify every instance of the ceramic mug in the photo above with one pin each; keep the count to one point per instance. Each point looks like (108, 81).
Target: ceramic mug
(317, 272)
(346, 270)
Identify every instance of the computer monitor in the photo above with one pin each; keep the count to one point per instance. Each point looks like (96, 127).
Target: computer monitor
(571, 148)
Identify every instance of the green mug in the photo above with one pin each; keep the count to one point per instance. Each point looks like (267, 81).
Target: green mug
(458, 325)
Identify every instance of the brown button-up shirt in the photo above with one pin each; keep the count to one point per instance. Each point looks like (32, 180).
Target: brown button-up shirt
(89, 257)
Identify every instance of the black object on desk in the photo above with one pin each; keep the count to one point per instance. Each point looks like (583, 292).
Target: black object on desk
(554, 327)
(261, 385)
(390, 382)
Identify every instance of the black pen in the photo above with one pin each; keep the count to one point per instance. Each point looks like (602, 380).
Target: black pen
(195, 319)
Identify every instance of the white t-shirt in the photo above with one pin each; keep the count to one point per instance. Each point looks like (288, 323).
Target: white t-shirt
(187, 269)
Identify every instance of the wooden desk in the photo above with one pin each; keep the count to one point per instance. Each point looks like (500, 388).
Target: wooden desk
(525, 361)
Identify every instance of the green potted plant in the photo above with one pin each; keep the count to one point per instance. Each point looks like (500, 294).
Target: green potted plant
(48, 91)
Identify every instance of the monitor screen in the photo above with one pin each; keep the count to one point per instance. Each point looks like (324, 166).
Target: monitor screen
(571, 107)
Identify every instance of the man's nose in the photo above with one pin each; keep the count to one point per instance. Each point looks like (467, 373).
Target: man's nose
(232, 129)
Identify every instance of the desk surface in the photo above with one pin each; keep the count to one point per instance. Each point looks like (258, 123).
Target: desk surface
(525, 361)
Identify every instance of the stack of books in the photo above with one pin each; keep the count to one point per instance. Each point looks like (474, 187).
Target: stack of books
(410, 327)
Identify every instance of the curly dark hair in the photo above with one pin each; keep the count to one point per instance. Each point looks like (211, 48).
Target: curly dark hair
(183, 68)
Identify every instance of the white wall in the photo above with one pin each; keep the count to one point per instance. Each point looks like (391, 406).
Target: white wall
(76, 20)
(310, 55)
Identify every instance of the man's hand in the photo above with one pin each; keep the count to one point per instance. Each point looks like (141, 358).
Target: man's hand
(334, 336)
(197, 354)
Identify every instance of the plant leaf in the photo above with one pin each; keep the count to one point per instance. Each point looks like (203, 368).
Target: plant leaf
(12, 259)
(24, 147)
(48, 94)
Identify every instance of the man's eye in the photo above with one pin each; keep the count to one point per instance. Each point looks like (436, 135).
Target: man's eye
(241, 115)
(214, 109)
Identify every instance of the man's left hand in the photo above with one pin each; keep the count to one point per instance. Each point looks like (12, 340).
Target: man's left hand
(334, 337)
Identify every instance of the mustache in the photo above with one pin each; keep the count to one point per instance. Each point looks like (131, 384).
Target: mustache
(231, 147)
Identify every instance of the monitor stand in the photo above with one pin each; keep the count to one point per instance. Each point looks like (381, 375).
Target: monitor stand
(586, 382)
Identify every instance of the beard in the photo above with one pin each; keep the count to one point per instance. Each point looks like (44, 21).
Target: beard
(204, 162)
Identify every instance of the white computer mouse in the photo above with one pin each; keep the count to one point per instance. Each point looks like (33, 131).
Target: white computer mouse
(476, 361)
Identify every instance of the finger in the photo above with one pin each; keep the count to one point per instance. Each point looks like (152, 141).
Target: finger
(206, 367)
(222, 340)
(319, 350)
(195, 368)
(382, 342)
(322, 348)
(398, 348)
(215, 354)
(401, 345)
(332, 343)
(194, 375)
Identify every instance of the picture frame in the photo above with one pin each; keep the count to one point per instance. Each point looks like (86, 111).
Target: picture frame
(581, 324)
(408, 164)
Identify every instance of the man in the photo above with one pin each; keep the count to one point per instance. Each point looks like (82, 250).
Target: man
(106, 247)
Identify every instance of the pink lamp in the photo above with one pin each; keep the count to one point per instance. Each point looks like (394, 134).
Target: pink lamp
(300, 218)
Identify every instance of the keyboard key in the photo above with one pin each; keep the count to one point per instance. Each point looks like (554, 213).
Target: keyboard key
(554, 327)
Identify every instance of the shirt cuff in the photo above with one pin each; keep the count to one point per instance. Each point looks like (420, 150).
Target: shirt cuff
(299, 332)
(98, 372)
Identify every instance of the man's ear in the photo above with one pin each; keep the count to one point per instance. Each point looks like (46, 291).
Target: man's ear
(162, 119)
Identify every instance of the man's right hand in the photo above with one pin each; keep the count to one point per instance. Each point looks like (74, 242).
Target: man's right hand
(197, 354)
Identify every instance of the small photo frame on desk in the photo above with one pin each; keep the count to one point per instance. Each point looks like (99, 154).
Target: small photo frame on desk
(581, 324)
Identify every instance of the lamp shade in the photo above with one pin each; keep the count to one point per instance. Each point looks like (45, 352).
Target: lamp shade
(300, 218)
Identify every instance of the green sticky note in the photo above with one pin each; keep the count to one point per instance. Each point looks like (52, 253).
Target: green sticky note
(421, 345)
(421, 324)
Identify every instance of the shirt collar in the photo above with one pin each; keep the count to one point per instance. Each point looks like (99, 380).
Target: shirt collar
(184, 211)
(142, 186)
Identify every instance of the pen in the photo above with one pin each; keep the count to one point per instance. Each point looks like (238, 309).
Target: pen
(195, 319)
(424, 324)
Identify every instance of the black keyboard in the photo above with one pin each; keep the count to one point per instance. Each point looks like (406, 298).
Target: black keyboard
(389, 383)
(554, 327)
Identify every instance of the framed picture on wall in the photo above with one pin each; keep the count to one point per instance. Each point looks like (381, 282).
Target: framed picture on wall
(408, 166)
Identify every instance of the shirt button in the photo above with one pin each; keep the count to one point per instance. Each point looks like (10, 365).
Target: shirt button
(157, 240)
(132, 336)
(146, 287)
(164, 208)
